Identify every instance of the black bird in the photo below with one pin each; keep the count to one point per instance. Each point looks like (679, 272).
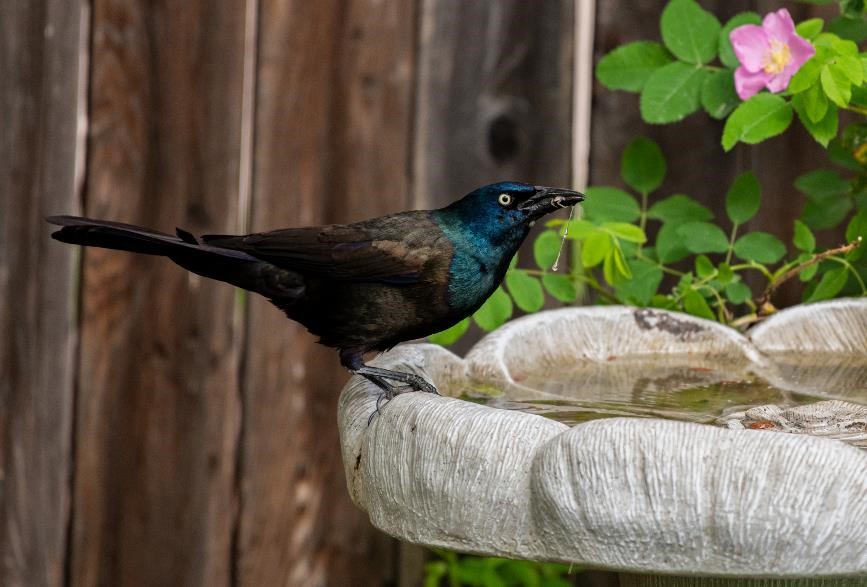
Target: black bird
(365, 286)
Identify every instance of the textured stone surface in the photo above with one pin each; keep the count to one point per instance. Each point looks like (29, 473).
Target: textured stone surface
(830, 419)
(637, 494)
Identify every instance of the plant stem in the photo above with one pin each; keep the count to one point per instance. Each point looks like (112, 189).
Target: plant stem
(858, 109)
(753, 265)
(774, 284)
(852, 270)
(731, 243)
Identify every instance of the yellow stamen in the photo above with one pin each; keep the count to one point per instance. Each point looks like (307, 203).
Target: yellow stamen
(778, 58)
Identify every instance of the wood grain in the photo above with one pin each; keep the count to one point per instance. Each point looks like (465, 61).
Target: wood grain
(494, 96)
(332, 129)
(158, 409)
(39, 99)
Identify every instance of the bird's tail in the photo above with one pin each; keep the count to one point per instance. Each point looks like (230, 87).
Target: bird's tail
(235, 267)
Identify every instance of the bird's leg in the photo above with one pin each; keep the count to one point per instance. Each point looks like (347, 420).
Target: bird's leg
(353, 361)
(411, 380)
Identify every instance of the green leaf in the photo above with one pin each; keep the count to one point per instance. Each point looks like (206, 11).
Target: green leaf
(495, 311)
(724, 273)
(820, 214)
(689, 31)
(824, 129)
(808, 273)
(760, 247)
(857, 227)
(809, 28)
(853, 29)
(738, 292)
(669, 244)
(815, 103)
(561, 287)
(678, 208)
(663, 301)
(526, 290)
(627, 67)
(830, 285)
(840, 155)
(803, 237)
(821, 183)
(844, 47)
(626, 232)
(450, 335)
(610, 204)
(703, 237)
(545, 249)
(718, 95)
(703, 266)
(851, 67)
(761, 117)
(642, 165)
(595, 248)
(836, 85)
(609, 268)
(742, 199)
(695, 304)
(578, 227)
(672, 93)
(645, 281)
(807, 76)
(621, 265)
(726, 53)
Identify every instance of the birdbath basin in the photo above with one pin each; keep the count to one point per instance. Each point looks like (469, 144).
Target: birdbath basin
(668, 448)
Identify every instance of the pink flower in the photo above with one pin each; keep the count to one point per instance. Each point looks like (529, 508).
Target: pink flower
(769, 54)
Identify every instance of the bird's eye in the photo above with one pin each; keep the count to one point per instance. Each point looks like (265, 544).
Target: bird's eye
(504, 199)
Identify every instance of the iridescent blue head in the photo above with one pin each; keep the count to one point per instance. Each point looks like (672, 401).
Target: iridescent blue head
(503, 212)
(485, 228)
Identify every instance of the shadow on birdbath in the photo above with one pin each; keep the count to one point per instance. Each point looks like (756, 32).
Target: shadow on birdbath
(669, 448)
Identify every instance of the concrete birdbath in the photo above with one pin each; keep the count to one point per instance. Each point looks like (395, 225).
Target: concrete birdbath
(669, 448)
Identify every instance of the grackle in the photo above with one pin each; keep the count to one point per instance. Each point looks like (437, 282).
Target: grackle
(365, 286)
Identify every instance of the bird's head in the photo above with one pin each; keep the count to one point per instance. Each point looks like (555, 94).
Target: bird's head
(510, 208)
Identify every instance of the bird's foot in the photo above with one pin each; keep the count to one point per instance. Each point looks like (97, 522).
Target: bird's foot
(421, 385)
(383, 379)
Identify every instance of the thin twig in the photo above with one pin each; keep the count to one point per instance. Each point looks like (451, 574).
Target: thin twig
(772, 287)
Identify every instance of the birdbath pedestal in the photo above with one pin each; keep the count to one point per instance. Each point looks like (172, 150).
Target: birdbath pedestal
(671, 449)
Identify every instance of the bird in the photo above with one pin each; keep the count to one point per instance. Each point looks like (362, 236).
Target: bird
(361, 287)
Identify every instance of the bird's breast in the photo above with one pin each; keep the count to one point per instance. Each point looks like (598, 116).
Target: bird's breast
(471, 281)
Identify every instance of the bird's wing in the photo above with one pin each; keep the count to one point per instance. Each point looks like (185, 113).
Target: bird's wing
(396, 253)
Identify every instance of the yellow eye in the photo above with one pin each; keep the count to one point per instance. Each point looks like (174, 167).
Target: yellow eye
(504, 199)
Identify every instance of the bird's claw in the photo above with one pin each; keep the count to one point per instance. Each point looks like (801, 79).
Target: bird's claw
(391, 391)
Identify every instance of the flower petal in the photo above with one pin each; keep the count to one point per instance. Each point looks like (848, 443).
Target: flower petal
(801, 50)
(780, 82)
(750, 43)
(779, 25)
(748, 83)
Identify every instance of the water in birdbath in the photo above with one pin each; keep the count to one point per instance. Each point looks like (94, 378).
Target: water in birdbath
(702, 390)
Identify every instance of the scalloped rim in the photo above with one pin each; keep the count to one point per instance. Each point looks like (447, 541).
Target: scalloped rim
(617, 493)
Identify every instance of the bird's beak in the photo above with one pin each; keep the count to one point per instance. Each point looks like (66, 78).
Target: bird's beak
(546, 200)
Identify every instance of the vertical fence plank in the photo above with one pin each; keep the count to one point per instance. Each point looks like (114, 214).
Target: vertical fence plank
(494, 96)
(39, 53)
(332, 136)
(158, 404)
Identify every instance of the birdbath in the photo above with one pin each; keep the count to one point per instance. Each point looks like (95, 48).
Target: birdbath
(671, 449)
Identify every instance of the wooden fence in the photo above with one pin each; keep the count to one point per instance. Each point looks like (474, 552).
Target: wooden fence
(161, 429)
